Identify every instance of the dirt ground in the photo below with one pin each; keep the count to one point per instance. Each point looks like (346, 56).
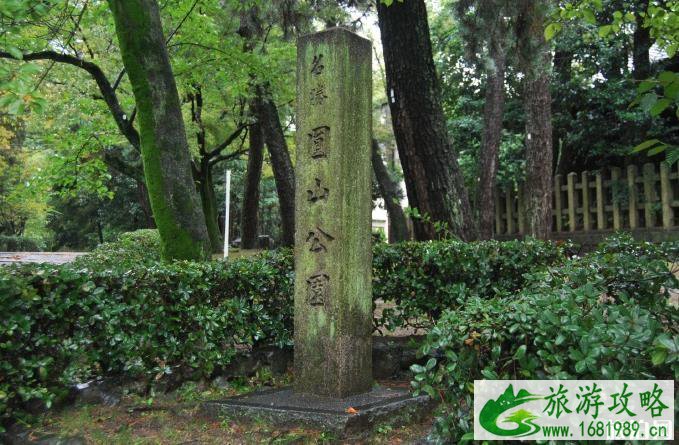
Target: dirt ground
(175, 419)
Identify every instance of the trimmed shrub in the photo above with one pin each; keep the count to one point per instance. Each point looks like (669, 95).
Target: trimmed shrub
(422, 279)
(416, 280)
(131, 249)
(603, 316)
(12, 243)
(118, 311)
(183, 320)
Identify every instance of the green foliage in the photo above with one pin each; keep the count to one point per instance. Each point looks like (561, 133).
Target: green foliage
(660, 91)
(119, 311)
(69, 125)
(594, 127)
(17, 94)
(131, 249)
(15, 243)
(81, 220)
(162, 323)
(22, 198)
(507, 309)
(463, 100)
(605, 315)
(424, 279)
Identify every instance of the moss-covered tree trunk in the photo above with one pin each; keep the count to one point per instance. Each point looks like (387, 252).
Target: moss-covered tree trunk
(433, 178)
(251, 195)
(165, 152)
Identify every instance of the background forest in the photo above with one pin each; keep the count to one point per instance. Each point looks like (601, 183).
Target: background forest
(71, 174)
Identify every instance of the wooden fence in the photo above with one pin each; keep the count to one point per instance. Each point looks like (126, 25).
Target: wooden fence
(601, 201)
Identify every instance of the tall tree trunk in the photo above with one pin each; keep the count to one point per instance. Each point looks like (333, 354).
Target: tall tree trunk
(565, 156)
(641, 47)
(536, 64)
(251, 195)
(618, 65)
(389, 190)
(284, 174)
(490, 147)
(266, 112)
(434, 182)
(206, 190)
(165, 150)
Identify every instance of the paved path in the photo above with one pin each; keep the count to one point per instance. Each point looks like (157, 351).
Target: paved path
(38, 257)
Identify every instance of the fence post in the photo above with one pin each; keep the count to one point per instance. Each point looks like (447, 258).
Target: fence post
(632, 192)
(657, 202)
(586, 222)
(649, 195)
(557, 203)
(666, 196)
(498, 212)
(520, 210)
(615, 187)
(509, 204)
(570, 184)
(600, 204)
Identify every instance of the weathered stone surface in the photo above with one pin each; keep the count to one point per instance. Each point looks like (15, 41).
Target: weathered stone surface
(278, 359)
(247, 363)
(386, 359)
(286, 407)
(391, 357)
(106, 392)
(333, 257)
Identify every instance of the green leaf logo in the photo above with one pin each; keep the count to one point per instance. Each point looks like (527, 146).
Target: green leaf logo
(493, 409)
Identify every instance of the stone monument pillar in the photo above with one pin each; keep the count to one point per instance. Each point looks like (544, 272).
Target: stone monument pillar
(333, 252)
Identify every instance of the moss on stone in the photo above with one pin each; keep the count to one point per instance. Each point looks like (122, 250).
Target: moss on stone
(333, 339)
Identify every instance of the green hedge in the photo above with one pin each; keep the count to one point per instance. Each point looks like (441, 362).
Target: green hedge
(603, 316)
(117, 311)
(421, 279)
(131, 249)
(165, 322)
(12, 243)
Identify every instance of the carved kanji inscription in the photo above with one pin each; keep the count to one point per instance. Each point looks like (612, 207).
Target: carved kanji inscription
(317, 65)
(317, 289)
(333, 200)
(317, 94)
(318, 141)
(318, 192)
(318, 239)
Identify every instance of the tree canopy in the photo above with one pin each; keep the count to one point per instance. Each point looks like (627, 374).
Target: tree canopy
(71, 166)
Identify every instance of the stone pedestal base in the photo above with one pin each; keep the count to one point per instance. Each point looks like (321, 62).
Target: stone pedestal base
(286, 408)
